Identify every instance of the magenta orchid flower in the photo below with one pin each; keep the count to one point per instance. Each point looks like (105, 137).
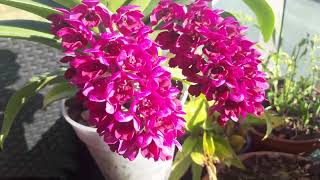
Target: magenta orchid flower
(214, 55)
(121, 82)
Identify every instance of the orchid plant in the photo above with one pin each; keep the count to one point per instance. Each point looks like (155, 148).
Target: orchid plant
(115, 69)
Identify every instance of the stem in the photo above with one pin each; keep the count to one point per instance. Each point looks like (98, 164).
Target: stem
(281, 26)
(212, 171)
(185, 94)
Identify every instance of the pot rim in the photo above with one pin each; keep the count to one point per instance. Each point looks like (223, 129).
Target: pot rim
(246, 156)
(256, 132)
(71, 121)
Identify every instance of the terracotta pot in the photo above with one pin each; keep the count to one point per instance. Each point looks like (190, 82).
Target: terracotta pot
(244, 157)
(282, 145)
(112, 165)
(247, 156)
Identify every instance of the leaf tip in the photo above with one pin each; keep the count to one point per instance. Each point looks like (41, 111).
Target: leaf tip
(1, 141)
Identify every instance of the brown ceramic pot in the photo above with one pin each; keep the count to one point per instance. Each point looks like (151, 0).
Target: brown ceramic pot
(282, 145)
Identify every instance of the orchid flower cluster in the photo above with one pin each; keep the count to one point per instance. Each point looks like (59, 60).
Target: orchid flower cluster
(127, 91)
(117, 69)
(214, 55)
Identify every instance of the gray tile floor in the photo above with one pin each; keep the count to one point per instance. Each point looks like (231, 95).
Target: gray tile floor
(41, 144)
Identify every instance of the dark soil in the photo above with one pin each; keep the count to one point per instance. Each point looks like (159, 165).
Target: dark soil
(273, 168)
(293, 130)
(76, 111)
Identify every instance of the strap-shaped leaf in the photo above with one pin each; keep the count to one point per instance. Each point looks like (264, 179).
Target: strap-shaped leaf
(142, 3)
(20, 98)
(208, 144)
(113, 5)
(198, 158)
(268, 119)
(196, 171)
(180, 168)
(28, 24)
(265, 16)
(58, 92)
(68, 3)
(105, 2)
(148, 10)
(31, 6)
(187, 148)
(50, 3)
(26, 30)
(196, 113)
(183, 1)
(226, 14)
(225, 153)
(182, 161)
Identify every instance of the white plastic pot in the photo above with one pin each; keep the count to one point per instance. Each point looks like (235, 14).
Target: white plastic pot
(113, 165)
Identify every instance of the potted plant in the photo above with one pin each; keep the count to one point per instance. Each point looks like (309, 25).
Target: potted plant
(294, 102)
(127, 110)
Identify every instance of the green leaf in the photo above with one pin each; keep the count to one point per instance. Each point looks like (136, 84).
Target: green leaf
(182, 161)
(208, 144)
(142, 3)
(237, 142)
(187, 148)
(68, 3)
(104, 2)
(226, 14)
(20, 98)
(223, 148)
(196, 112)
(185, 2)
(176, 73)
(153, 36)
(113, 5)
(265, 16)
(147, 5)
(196, 171)
(180, 168)
(236, 162)
(225, 152)
(1, 141)
(49, 3)
(28, 24)
(148, 10)
(10, 31)
(268, 120)
(59, 91)
(37, 8)
(198, 158)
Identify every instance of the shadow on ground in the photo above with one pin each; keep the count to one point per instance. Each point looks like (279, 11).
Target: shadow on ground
(41, 144)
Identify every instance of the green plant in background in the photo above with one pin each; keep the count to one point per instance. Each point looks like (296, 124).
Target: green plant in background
(291, 94)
